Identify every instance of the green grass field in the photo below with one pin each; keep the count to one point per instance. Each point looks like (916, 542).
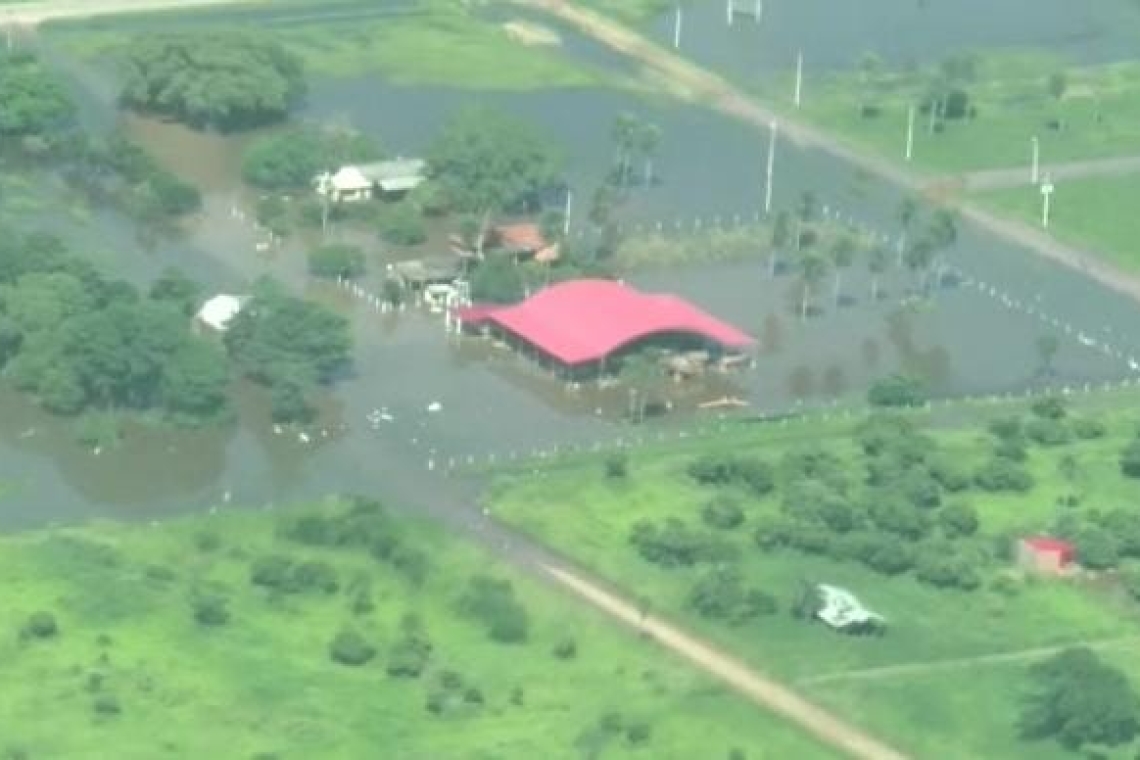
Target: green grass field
(441, 46)
(263, 684)
(578, 510)
(1096, 213)
(1100, 112)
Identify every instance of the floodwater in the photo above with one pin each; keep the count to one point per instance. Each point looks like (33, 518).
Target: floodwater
(833, 34)
(974, 337)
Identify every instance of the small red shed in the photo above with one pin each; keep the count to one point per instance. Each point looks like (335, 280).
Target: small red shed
(1046, 555)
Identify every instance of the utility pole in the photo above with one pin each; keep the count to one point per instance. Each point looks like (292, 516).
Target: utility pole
(677, 28)
(1046, 196)
(771, 164)
(1036, 161)
(799, 77)
(910, 132)
(566, 213)
(729, 11)
(758, 11)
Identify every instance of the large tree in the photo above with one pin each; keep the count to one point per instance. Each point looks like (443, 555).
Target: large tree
(32, 100)
(487, 162)
(222, 79)
(1078, 699)
(290, 159)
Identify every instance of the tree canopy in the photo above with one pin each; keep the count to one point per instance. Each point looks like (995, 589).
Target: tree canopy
(488, 161)
(290, 159)
(223, 79)
(32, 99)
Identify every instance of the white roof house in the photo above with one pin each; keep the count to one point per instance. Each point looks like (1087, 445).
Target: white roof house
(396, 176)
(219, 311)
(842, 610)
(348, 183)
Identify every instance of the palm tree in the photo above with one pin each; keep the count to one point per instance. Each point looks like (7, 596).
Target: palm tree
(624, 134)
(779, 240)
(918, 258)
(648, 140)
(842, 255)
(877, 260)
(813, 268)
(906, 214)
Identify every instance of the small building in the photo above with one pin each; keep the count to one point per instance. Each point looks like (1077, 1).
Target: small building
(524, 241)
(842, 611)
(360, 182)
(219, 311)
(417, 274)
(1045, 555)
(347, 184)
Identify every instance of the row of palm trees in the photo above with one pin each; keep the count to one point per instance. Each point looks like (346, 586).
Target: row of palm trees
(921, 248)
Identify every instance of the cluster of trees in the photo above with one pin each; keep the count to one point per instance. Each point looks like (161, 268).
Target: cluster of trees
(289, 345)
(113, 169)
(610, 728)
(79, 341)
(222, 79)
(337, 260)
(1081, 702)
(33, 101)
(492, 602)
(288, 160)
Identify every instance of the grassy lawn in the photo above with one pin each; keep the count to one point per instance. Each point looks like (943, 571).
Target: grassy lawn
(1100, 113)
(1095, 212)
(578, 510)
(263, 683)
(443, 45)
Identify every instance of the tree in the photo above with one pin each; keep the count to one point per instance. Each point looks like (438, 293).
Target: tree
(643, 375)
(336, 260)
(486, 161)
(210, 610)
(401, 224)
(223, 79)
(1057, 84)
(349, 647)
(897, 390)
(617, 466)
(39, 625)
(721, 595)
(1078, 700)
(958, 520)
(624, 134)
(806, 212)
(918, 258)
(906, 214)
(32, 100)
(1130, 459)
(781, 228)
(175, 288)
(648, 140)
(813, 268)
(870, 66)
(877, 261)
(195, 379)
(497, 279)
(722, 513)
(1097, 548)
(842, 255)
(493, 603)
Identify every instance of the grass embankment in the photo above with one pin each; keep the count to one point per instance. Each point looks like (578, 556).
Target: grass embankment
(630, 11)
(132, 671)
(1099, 112)
(1096, 213)
(965, 712)
(440, 45)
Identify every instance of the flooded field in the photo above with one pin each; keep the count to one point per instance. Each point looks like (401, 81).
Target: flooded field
(974, 337)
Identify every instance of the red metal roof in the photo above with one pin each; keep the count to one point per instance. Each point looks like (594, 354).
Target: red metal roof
(1051, 545)
(586, 320)
(523, 236)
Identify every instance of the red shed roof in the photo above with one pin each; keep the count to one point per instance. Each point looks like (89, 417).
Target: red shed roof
(586, 320)
(1051, 545)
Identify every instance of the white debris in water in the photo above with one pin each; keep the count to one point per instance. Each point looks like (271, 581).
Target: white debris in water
(303, 437)
(435, 406)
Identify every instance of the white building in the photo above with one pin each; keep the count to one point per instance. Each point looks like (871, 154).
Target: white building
(359, 182)
(219, 311)
(348, 183)
(844, 612)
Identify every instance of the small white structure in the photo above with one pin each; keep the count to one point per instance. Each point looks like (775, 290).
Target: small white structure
(217, 313)
(842, 611)
(358, 182)
(347, 184)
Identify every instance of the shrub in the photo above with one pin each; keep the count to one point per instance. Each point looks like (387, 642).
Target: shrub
(939, 568)
(271, 571)
(1097, 549)
(896, 391)
(493, 603)
(106, 705)
(722, 595)
(408, 657)
(617, 465)
(723, 513)
(315, 575)
(638, 732)
(349, 647)
(950, 473)
(675, 544)
(565, 648)
(958, 520)
(210, 611)
(336, 260)
(1002, 474)
(1051, 408)
(1130, 459)
(402, 225)
(1087, 429)
(1048, 431)
(39, 625)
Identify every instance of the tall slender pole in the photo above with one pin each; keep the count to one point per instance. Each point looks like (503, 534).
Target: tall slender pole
(729, 11)
(677, 29)
(566, 213)
(910, 132)
(758, 11)
(1046, 197)
(771, 164)
(799, 77)
(1036, 166)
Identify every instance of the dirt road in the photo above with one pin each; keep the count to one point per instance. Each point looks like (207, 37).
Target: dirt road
(993, 179)
(700, 85)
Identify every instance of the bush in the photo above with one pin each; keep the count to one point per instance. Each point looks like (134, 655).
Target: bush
(723, 513)
(722, 595)
(1002, 474)
(1130, 459)
(1051, 408)
(106, 705)
(409, 656)
(897, 391)
(617, 465)
(349, 647)
(39, 625)
(315, 575)
(1048, 431)
(950, 473)
(675, 544)
(724, 469)
(271, 571)
(958, 520)
(939, 568)
(493, 603)
(336, 260)
(565, 648)
(1097, 549)
(210, 611)
(1088, 429)
(403, 225)
(638, 732)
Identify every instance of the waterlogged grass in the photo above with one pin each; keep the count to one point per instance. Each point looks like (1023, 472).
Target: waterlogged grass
(576, 509)
(1100, 113)
(264, 683)
(1096, 213)
(437, 45)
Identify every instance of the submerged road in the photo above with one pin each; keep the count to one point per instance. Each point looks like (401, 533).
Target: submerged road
(686, 79)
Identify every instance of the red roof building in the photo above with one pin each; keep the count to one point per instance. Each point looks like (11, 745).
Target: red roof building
(583, 322)
(525, 239)
(1049, 556)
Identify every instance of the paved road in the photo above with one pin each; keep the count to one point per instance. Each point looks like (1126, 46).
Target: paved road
(687, 79)
(993, 179)
(32, 13)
